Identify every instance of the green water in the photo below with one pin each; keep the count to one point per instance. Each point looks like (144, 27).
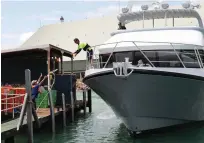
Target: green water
(103, 127)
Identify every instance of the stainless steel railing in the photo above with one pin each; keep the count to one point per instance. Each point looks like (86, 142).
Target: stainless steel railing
(97, 61)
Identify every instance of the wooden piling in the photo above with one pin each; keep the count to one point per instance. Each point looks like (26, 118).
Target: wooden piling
(23, 111)
(72, 105)
(64, 109)
(52, 113)
(35, 116)
(89, 100)
(29, 105)
(71, 90)
(84, 101)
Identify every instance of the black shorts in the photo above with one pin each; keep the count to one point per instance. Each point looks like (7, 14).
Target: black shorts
(89, 54)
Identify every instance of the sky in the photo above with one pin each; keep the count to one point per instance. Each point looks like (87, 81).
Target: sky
(20, 19)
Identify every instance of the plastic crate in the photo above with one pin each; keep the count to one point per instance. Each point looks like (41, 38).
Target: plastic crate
(44, 96)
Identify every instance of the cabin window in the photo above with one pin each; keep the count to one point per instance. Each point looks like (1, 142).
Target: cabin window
(168, 59)
(137, 56)
(161, 58)
(104, 59)
(201, 52)
(189, 58)
(158, 58)
(151, 55)
(120, 56)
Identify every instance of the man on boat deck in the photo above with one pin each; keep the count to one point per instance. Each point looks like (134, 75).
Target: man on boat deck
(85, 47)
(121, 27)
(35, 88)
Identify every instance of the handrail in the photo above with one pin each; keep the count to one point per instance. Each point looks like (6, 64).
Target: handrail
(170, 44)
(200, 60)
(13, 97)
(197, 57)
(126, 18)
(178, 56)
(11, 108)
(11, 101)
(143, 54)
(149, 42)
(10, 94)
(110, 55)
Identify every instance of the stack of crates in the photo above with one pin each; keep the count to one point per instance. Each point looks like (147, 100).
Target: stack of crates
(45, 102)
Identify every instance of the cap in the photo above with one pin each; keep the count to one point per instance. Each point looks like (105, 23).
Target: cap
(33, 82)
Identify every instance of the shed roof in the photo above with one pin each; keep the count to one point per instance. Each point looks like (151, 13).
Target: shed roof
(38, 47)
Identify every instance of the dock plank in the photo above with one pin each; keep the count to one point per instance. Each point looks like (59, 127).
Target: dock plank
(12, 125)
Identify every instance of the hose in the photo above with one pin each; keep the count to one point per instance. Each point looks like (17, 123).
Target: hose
(51, 73)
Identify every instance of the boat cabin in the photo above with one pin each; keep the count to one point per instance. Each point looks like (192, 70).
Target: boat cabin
(163, 47)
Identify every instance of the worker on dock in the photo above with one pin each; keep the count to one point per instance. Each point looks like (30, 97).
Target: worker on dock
(85, 47)
(35, 88)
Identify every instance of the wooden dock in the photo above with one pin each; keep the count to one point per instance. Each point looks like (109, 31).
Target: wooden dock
(9, 129)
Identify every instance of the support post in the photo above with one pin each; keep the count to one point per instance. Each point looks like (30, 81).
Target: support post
(29, 105)
(72, 65)
(50, 94)
(35, 116)
(143, 20)
(23, 110)
(153, 22)
(72, 105)
(71, 92)
(84, 101)
(13, 108)
(173, 21)
(64, 109)
(62, 69)
(89, 100)
(165, 18)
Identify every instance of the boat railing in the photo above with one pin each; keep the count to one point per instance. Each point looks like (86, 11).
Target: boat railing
(99, 63)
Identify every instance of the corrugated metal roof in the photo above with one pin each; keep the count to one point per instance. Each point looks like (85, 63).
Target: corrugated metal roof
(40, 47)
(43, 47)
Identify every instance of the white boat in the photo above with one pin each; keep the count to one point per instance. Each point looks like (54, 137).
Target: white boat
(152, 78)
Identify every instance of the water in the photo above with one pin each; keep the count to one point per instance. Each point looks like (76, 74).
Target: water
(103, 127)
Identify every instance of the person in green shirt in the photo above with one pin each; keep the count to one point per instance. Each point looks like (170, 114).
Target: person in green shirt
(85, 47)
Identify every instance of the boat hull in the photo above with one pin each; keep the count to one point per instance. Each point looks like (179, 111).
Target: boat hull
(151, 100)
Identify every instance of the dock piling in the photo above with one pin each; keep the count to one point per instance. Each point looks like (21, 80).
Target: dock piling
(84, 101)
(29, 105)
(89, 100)
(64, 109)
(72, 105)
(35, 116)
(52, 113)
(23, 110)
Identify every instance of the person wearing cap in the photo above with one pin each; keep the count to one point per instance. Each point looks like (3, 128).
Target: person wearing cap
(35, 88)
(121, 27)
(85, 47)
